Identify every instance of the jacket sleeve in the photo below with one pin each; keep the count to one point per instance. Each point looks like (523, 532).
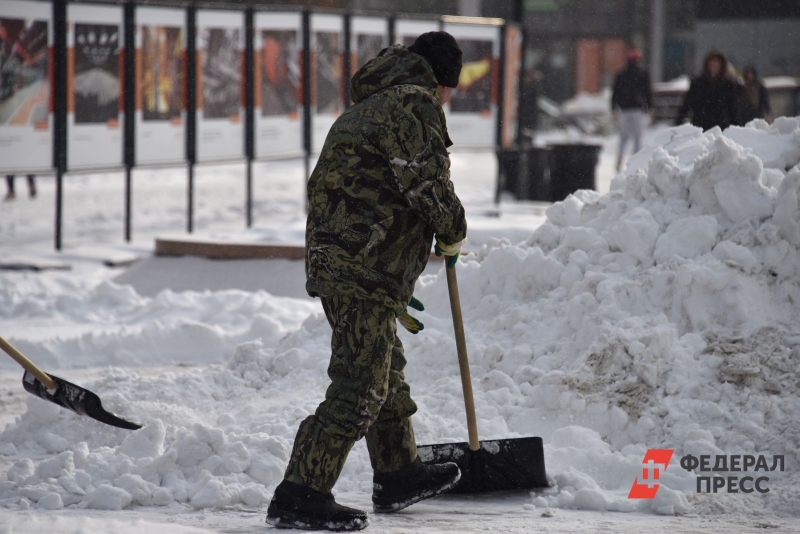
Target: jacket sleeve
(688, 103)
(764, 97)
(415, 145)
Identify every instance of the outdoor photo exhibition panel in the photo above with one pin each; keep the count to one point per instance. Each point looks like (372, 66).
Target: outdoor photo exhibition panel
(277, 89)
(513, 64)
(26, 121)
(160, 75)
(472, 110)
(220, 102)
(327, 80)
(368, 36)
(94, 86)
(406, 31)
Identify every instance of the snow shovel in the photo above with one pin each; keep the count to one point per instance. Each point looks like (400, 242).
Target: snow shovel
(498, 465)
(65, 394)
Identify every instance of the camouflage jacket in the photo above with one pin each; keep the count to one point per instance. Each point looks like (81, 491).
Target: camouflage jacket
(381, 189)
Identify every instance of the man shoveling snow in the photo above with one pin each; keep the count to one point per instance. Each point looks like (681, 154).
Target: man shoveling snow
(379, 194)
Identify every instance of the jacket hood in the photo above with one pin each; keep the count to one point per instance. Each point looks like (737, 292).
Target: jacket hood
(393, 66)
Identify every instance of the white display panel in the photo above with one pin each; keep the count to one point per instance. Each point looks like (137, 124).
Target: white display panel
(327, 75)
(160, 86)
(94, 86)
(220, 102)
(368, 36)
(472, 110)
(278, 77)
(406, 31)
(26, 120)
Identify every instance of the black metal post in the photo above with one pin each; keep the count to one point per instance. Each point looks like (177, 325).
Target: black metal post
(130, 108)
(519, 11)
(347, 64)
(501, 104)
(191, 114)
(59, 88)
(307, 93)
(249, 119)
(392, 23)
(501, 86)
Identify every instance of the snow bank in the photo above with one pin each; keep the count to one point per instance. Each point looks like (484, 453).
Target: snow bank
(588, 104)
(129, 329)
(660, 315)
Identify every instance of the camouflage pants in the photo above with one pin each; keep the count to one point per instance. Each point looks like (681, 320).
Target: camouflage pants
(368, 396)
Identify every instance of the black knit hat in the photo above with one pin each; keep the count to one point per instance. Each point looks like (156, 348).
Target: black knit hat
(441, 51)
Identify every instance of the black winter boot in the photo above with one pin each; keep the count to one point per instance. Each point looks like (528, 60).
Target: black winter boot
(410, 484)
(295, 506)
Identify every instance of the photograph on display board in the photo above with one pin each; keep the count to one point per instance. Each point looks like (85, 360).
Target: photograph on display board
(96, 83)
(24, 72)
(369, 46)
(162, 73)
(474, 91)
(221, 72)
(280, 73)
(328, 73)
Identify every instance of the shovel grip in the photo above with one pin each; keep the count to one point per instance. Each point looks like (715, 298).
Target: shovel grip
(463, 361)
(27, 364)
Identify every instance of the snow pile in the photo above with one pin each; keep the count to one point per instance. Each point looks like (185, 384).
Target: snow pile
(129, 329)
(661, 315)
(589, 104)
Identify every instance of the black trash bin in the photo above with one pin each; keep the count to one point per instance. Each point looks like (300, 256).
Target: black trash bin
(508, 168)
(572, 167)
(531, 184)
(535, 184)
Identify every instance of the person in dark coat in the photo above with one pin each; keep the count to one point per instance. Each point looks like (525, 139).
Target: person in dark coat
(754, 100)
(713, 97)
(631, 99)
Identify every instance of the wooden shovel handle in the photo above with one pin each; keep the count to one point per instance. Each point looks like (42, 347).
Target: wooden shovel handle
(27, 364)
(463, 361)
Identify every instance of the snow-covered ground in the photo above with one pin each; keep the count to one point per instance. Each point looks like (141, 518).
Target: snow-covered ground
(659, 314)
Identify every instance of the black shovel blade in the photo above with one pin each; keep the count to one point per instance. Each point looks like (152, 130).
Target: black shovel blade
(75, 398)
(500, 465)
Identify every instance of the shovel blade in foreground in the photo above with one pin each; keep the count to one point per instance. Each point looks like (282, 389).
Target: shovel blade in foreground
(75, 398)
(500, 465)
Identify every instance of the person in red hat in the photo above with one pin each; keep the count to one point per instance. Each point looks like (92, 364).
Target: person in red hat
(632, 98)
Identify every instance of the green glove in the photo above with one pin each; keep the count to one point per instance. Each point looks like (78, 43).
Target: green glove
(451, 251)
(408, 322)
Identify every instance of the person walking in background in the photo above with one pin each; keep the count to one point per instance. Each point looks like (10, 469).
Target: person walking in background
(754, 100)
(632, 98)
(11, 195)
(713, 97)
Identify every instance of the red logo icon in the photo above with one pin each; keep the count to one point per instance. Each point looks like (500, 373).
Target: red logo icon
(654, 461)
